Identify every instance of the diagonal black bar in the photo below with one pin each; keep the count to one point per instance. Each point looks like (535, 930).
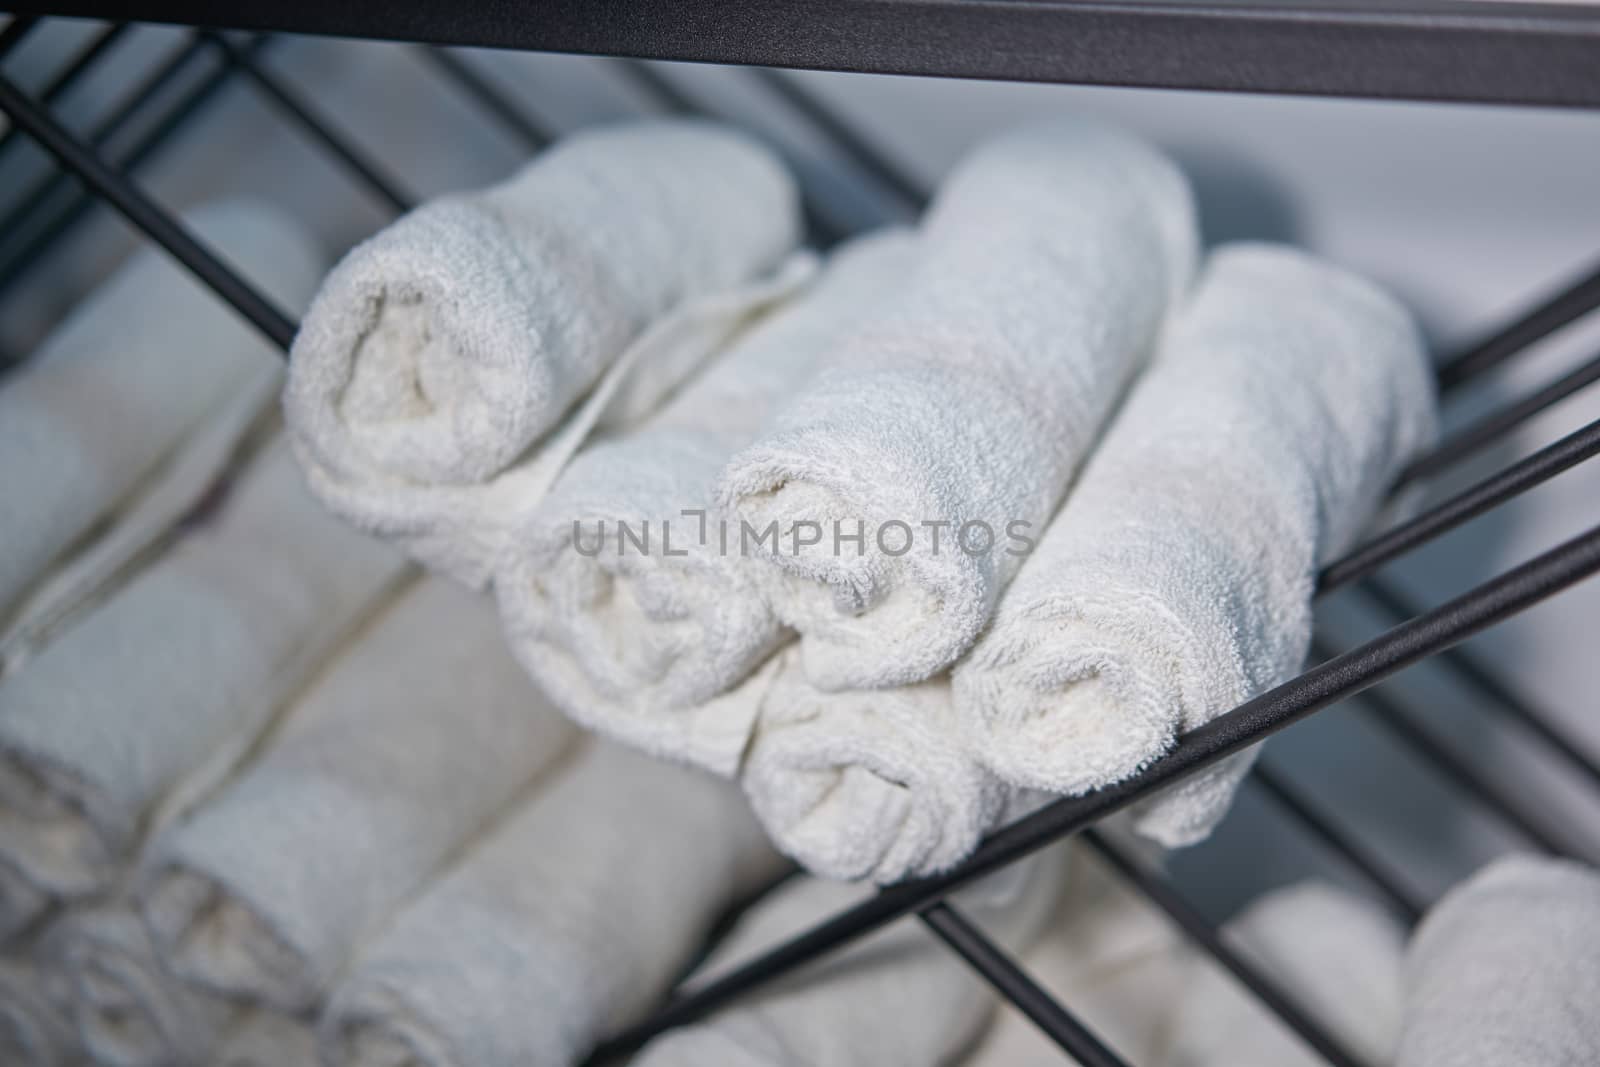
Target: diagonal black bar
(144, 213)
(1463, 663)
(533, 135)
(1471, 502)
(1401, 897)
(1394, 718)
(145, 92)
(1012, 982)
(1485, 431)
(18, 28)
(1572, 303)
(1327, 683)
(291, 104)
(69, 75)
(1196, 926)
(861, 152)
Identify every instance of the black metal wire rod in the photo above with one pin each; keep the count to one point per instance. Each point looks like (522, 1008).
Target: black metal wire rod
(1487, 430)
(1466, 505)
(291, 103)
(144, 213)
(1327, 683)
(1470, 669)
(1398, 721)
(1200, 930)
(879, 166)
(69, 75)
(1400, 896)
(1001, 971)
(144, 93)
(1572, 303)
(533, 135)
(18, 28)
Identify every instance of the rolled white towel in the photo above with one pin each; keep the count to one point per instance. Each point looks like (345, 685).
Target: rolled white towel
(1506, 969)
(569, 919)
(441, 351)
(944, 431)
(1176, 581)
(396, 756)
(1336, 955)
(127, 1009)
(264, 1038)
(35, 1030)
(639, 639)
(185, 663)
(896, 997)
(167, 352)
(869, 783)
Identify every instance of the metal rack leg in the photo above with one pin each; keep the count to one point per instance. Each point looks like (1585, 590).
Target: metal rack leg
(145, 214)
(997, 967)
(1572, 303)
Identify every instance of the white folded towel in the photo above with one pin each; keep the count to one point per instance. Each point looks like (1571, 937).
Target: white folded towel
(1336, 955)
(635, 639)
(138, 366)
(569, 919)
(869, 783)
(897, 997)
(1506, 969)
(944, 431)
(265, 1038)
(441, 351)
(1176, 581)
(396, 756)
(127, 1009)
(185, 663)
(35, 1030)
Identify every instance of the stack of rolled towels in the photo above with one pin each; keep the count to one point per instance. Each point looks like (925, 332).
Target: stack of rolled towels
(889, 544)
(973, 513)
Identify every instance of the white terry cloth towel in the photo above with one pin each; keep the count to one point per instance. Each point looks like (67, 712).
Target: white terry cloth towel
(1505, 968)
(635, 638)
(1046, 265)
(35, 1030)
(440, 351)
(1176, 581)
(569, 919)
(138, 366)
(869, 783)
(127, 1009)
(264, 1038)
(392, 759)
(185, 663)
(897, 997)
(1336, 955)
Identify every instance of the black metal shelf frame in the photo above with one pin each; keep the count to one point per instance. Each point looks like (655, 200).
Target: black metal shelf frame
(1485, 30)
